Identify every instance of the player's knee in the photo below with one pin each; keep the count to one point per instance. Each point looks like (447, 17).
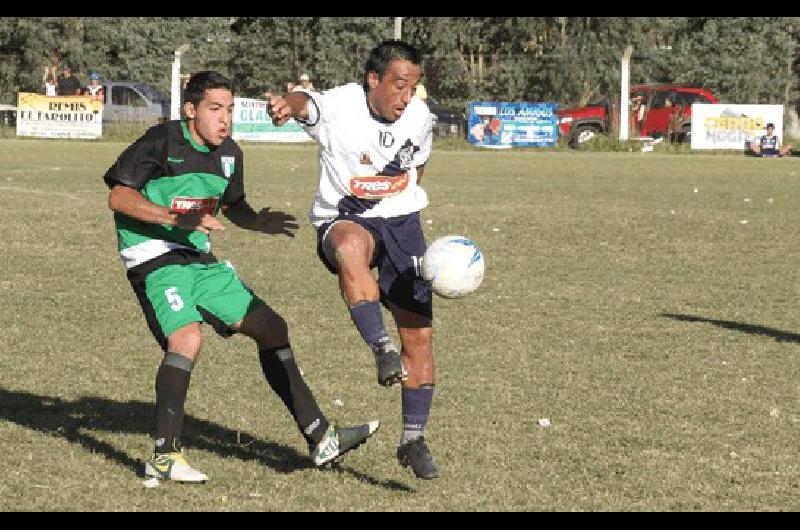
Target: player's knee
(350, 253)
(418, 340)
(186, 341)
(273, 331)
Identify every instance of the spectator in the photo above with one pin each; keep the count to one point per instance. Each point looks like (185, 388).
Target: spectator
(68, 85)
(305, 82)
(420, 92)
(769, 145)
(50, 81)
(290, 86)
(95, 89)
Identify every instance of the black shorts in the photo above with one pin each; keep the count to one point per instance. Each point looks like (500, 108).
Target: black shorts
(399, 247)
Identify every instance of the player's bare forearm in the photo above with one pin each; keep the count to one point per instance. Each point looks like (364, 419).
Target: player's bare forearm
(269, 222)
(132, 203)
(420, 171)
(291, 105)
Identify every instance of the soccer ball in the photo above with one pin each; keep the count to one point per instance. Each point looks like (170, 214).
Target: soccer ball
(454, 265)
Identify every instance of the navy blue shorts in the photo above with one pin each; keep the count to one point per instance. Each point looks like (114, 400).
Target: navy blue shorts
(399, 247)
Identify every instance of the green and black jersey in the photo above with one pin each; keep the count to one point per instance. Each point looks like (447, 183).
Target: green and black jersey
(170, 169)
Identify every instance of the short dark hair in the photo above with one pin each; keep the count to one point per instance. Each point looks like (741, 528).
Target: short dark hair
(196, 88)
(386, 52)
(770, 125)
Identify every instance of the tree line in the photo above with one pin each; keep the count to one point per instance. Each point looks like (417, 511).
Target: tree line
(568, 60)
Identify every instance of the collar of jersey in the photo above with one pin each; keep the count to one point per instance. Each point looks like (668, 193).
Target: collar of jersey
(376, 117)
(201, 148)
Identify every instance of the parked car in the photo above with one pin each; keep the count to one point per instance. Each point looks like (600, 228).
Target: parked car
(666, 110)
(127, 101)
(447, 120)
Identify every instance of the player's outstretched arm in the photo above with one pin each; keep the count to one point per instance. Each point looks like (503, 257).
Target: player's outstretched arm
(291, 105)
(269, 222)
(130, 202)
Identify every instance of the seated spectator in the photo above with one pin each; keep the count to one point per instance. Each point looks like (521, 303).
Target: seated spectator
(769, 145)
(95, 89)
(68, 85)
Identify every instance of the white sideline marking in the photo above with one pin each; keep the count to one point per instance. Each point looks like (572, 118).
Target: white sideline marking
(36, 190)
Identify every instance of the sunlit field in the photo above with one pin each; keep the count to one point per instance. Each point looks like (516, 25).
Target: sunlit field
(634, 345)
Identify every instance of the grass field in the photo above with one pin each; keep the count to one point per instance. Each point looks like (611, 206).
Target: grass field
(646, 304)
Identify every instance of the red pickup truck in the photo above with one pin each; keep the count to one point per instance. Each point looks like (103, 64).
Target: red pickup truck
(657, 109)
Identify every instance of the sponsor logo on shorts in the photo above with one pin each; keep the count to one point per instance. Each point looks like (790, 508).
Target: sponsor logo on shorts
(192, 204)
(378, 186)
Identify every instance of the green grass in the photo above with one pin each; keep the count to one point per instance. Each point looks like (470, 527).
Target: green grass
(625, 299)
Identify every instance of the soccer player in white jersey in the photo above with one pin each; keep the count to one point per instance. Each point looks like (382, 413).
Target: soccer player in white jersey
(374, 140)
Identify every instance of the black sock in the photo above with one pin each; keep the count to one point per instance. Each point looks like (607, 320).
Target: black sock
(368, 319)
(172, 384)
(284, 377)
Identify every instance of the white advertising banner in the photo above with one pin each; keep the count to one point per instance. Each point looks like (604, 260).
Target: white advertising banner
(252, 122)
(58, 116)
(723, 126)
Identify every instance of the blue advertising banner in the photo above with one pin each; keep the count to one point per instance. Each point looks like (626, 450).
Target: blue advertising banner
(501, 125)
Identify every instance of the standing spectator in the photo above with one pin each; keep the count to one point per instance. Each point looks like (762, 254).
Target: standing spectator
(50, 80)
(305, 82)
(420, 92)
(68, 85)
(94, 89)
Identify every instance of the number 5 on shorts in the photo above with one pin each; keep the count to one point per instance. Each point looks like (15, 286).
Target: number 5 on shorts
(174, 299)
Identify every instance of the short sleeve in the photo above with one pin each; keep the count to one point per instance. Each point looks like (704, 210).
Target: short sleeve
(141, 162)
(316, 111)
(425, 141)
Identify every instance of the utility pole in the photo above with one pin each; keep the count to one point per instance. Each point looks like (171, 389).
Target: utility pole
(625, 93)
(175, 87)
(398, 28)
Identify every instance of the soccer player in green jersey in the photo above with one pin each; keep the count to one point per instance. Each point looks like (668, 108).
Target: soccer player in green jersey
(166, 189)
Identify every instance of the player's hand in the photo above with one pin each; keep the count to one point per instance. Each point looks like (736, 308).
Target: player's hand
(276, 222)
(278, 108)
(202, 222)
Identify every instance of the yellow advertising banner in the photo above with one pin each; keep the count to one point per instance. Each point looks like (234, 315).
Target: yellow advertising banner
(59, 116)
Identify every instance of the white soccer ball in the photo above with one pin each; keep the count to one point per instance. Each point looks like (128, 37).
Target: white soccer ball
(454, 265)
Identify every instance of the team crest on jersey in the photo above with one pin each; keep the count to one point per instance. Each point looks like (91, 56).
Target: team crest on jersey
(228, 165)
(406, 155)
(365, 159)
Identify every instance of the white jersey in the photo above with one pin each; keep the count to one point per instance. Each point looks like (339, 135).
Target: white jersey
(368, 166)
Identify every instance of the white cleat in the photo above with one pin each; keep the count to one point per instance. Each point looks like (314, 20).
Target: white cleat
(173, 466)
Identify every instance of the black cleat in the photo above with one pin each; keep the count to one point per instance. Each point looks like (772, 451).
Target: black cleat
(417, 455)
(390, 367)
(340, 440)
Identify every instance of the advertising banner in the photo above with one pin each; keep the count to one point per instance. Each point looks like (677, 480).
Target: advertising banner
(502, 125)
(724, 126)
(58, 116)
(252, 122)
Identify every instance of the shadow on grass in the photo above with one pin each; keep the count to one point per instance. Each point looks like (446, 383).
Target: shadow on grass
(75, 420)
(777, 334)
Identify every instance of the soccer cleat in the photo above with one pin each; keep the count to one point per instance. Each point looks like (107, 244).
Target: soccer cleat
(173, 466)
(417, 455)
(339, 440)
(390, 367)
